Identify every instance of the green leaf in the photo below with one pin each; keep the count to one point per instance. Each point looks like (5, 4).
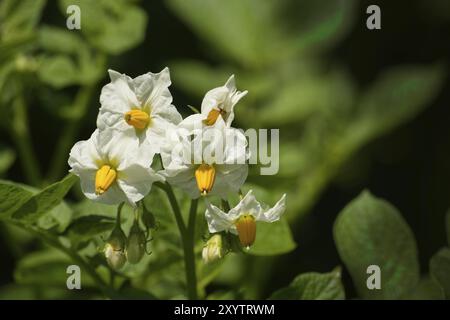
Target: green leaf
(272, 239)
(18, 17)
(12, 196)
(58, 71)
(87, 227)
(370, 231)
(111, 26)
(313, 286)
(45, 200)
(243, 30)
(427, 289)
(59, 40)
(440, 270)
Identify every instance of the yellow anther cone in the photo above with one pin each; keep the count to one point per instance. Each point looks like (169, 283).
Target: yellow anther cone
(205, 176)
(104, 178)
(137, 118)
(246, 228)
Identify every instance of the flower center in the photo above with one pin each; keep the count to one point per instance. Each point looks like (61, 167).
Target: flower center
(104, 178)
(213, 115)
(137, 118)
(205, 176)
(246, 228)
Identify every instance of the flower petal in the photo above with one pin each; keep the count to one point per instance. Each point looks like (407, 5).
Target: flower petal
(274, 213)
(218, 220)
(136, 182)
(248, 205)
(84, 155)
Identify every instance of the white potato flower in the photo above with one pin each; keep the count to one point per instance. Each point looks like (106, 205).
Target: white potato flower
(113, 168)
(142, 105)
(241, 219)
(209, 161)
(217, 102)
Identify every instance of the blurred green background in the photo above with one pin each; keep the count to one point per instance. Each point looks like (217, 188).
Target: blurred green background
(357, 109)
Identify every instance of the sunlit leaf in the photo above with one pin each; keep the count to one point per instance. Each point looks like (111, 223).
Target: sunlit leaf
(45, 200)
(313, 286)
(370, 231)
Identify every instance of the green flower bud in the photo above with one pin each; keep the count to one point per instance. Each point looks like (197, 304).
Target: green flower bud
(213, 249)
(136, 244)
(115, 248)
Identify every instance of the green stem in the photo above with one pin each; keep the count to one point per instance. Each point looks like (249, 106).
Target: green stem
(189, 255)
(175, 208)
(59, 159)
(22, 139)
(187, 238)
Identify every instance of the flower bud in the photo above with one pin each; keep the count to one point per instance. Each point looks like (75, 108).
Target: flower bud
(115, 248)
(136, 244)
(213, 249)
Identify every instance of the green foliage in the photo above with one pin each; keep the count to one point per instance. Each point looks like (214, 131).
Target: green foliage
(45, 200)
(12, 197)
(111, 26)
(370, 231)
(313, 286)
(276, 48)
(253, 33)
(439, 270)
(426, 289)
(18, 17)
(272, 239)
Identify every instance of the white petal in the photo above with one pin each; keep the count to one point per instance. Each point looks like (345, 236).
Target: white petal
(218, 220)
(193, 122)
(274, 213)
(84, 155)
(152, 89)
(118, 95)
(248, 205)
(136, 182)
(213, 98)
(229, 178)
(235, 147)
(185, 180)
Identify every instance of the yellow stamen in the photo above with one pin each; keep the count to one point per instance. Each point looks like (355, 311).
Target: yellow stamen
(104, 178)
(246, 228)
(137, 118)
(212, 116)
(205, 176)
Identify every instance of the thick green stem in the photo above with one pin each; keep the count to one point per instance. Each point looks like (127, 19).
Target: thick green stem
(187, 238)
